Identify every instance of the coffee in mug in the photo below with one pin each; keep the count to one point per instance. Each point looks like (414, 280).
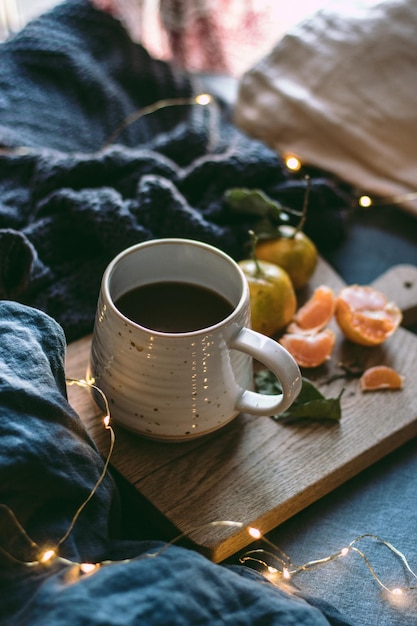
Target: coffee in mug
(174, 307)
(172, 347)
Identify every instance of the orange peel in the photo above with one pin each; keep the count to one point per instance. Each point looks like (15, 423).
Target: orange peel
(365, 316)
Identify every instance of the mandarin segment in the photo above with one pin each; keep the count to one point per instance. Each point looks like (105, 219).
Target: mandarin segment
(381, 377)
(316, 313)
(365, 316)
(309, 350)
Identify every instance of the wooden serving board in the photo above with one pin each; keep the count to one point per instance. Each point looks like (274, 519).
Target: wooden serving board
(257, 471)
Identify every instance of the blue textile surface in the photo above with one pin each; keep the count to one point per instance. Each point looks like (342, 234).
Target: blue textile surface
(382, 500)
(48, 466)
(68, 204)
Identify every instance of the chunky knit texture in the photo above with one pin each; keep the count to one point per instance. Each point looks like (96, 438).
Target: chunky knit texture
(70, 201)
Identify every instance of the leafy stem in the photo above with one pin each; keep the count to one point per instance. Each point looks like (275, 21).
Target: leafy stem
(303, 218)
(349, 371)
(254, 241)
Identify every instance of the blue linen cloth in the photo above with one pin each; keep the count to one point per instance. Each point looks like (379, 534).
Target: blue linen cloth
(48, 466)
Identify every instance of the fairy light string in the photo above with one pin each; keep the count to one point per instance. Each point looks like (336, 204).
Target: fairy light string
(201, 99)
(365, 201)
(48, 554)
(107, 426)
(277, 566)
(291, 161)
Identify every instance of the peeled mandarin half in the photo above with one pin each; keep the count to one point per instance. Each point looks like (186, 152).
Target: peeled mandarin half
(381, 377)
(365, 316)
(316, 313)
(309, 350)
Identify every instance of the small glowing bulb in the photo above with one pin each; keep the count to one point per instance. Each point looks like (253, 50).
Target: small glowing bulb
(254, 532)
(286, 573)
(106, 421)
(293, 163)
(344, 551)
(203, 98)
(397, 591)
(87, 568)
(365, 201)
(272, 570)
(47, 556)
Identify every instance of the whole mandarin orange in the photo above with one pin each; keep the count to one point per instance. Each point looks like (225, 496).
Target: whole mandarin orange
(292, 250)
(272, 297)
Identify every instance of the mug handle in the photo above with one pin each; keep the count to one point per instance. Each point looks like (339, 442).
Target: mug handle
(282, 365)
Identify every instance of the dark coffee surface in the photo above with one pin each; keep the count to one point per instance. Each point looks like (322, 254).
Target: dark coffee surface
(174, 307)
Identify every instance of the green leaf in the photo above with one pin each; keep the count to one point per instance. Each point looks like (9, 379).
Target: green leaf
(320, 409)
(266, 382)
(255, 202)
(310, 404)
(265, 229)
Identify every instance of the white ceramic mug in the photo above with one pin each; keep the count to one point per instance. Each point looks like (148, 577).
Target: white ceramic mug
(175, 386)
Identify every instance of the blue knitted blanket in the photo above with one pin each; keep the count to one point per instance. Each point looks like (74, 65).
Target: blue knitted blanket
(81, 178)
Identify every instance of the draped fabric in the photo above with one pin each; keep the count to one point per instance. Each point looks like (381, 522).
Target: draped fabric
(48, 467)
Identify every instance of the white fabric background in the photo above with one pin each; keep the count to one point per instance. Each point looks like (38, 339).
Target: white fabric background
(339, 91)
